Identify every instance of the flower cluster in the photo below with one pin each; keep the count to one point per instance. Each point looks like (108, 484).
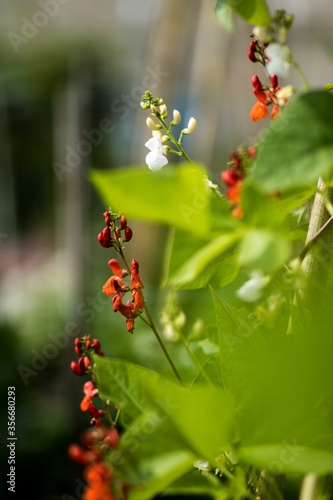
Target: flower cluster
(156, 158)
(266, 96)
(111, 234)
(234, 176)
(114, 287)
(83, 348)
(97, 441)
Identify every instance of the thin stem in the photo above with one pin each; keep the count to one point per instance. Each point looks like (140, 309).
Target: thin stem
(311, 240)
(194, 358)
(160, 341)
(174, 140)
(300, 73)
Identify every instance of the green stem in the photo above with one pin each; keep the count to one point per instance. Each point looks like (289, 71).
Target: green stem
(174, 140)
(150, 323)
(296, 66)
(160, 341)
(194, 358)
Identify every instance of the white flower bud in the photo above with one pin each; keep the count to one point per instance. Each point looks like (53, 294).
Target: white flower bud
(176, 117)
(261, 33)
(192, 125)
(151, 124)
(157, 133)
(163, 109)
(153, 108)
(180, 320)
(160, 102)
(165, 138)
(143, 105)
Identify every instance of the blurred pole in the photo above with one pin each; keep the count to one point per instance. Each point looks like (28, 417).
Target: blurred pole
(70, 117)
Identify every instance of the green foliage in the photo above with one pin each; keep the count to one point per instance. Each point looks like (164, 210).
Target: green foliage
(298, 146)
(263, 250)
(176, 195)
(166, 425)
(252, 11)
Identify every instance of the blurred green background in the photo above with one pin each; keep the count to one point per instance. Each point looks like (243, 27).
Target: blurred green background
(69, 69)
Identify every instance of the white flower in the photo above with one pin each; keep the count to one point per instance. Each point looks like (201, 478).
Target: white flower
(156, 158)
(277, 60)
(252, 290)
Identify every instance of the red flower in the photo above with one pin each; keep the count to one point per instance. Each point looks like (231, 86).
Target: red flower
(113, 286)
(96, 414)
(79, 455)
(90, 392)
(234, 193)
(98, 477)
(258, 111)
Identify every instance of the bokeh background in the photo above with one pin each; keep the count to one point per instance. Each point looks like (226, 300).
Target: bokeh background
(68, 67)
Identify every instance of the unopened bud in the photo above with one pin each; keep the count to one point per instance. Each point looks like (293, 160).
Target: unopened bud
(251, 56)
(274, 81)
(163, 109)
(144, 105)
(160, 102)
(123, 222)
(128, 233)
(165, 138)
(151, 124)
(192, 125)
(256, 82)
(176, 117)
(153, 108)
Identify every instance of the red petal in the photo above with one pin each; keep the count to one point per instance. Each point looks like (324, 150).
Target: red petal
(258, 111)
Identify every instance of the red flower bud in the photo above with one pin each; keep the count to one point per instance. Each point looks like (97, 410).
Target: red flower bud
(102, 241)
(86, 362)
(252, 152)
(96, 345)
(88, 342)
(128, 233)
(76, 368)
(82, 365)
(79, 455)
(253, 45)
(107, 234)
(112, 438)
(256, 82)
(107, 220)
(274, 81)
(230, 177)
(106, 213)
(251, 56)
(123, 222)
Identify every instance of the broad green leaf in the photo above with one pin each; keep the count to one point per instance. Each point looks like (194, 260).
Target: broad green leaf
(213, 371)
(298, 146)
(252, 11)
(224, 14)
(263, 250)
(189, 412)
(289, 457)
(124, 384)
(191, 258)
(240, 344)
(176, 195)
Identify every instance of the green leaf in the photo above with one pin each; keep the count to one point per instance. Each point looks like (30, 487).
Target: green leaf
(289, 457)
(196, 483)
(328, 87)
(123, 383)
(176, 195)
(239, 345)
(298, 146)
(224, 15)
(192, 263)
(263, 250)
(252, 11)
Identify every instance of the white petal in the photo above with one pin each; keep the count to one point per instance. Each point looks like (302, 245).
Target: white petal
(252, 290)
(156, 160)
(153, 144)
